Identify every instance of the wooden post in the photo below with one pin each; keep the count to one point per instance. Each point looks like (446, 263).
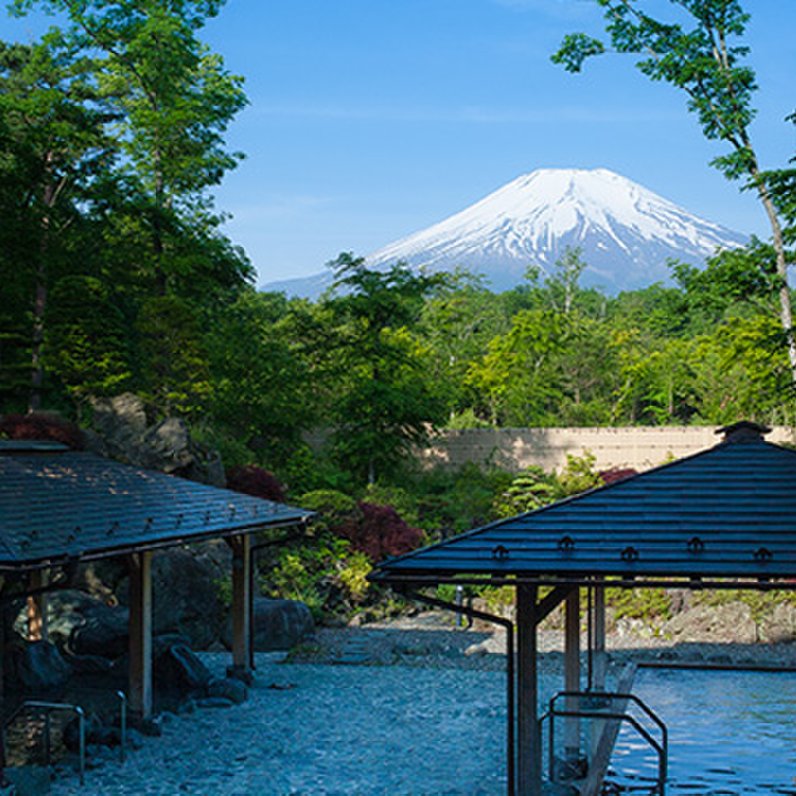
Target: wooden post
(241, 607)
(141, 635)
(600, 655)
(529, 746)
(37, 607)
(600, 665)
(572, 673)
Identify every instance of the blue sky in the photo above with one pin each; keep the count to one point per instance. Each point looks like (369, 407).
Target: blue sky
(371, 119)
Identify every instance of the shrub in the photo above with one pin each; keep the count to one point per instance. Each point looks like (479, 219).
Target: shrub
(253, 480)
(380, 532)
(531, 489)
(616, 474)
(42, 426)
(327, 575)
(333, 508)
(647, 604)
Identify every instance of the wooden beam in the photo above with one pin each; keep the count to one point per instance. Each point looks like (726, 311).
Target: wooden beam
(241, 607)
(572, 674)
(600, 654)
(529, 747)
(551, 601)
(140, 635)
(37, 607)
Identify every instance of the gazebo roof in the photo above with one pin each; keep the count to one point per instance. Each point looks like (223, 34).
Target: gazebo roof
(57, 504)
(727, 512)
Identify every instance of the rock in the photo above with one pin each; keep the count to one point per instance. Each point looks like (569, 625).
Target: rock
(186, 598)
(177, 668)
(28, 780)
(124, 433)
(278, 624)
(214, 702)
(186, 707)
(780, 625)
(40, 667)
(229, 688)
(83, 625)
(90, 664)
(97, 733)
(727, 623)
(135, 740)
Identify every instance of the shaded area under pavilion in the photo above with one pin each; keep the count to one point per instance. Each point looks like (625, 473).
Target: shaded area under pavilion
(60, 508)
(724, 518)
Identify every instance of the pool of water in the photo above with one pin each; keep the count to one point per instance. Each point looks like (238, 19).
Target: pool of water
(730, 733)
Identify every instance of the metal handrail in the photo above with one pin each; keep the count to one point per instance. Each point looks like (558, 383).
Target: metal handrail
(661, 747)
(48, 707)
(122, 725)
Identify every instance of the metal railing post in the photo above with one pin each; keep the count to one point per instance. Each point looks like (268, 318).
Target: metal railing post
(122, 725)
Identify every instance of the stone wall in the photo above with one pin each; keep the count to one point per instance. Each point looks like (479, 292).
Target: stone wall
(516, 448)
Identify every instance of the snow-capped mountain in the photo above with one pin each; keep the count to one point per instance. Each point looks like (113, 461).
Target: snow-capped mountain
(626, 233)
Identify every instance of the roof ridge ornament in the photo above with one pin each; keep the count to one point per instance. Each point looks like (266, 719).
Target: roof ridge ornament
(743, 431)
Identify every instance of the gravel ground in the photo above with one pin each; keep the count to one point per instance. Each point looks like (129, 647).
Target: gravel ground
(318, 729)
(423, 712)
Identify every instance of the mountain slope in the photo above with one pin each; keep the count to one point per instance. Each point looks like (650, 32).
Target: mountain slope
(626, 232)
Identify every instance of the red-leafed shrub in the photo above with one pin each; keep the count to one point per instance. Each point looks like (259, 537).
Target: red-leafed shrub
(379, 532)
(42, 426)
(617, 474)
(253, 480)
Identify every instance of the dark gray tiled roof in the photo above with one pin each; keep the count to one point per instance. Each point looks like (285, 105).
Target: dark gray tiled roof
(729, 511)
(68, 504)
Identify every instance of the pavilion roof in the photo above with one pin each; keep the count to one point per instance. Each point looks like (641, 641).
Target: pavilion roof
(57, 504)
(727, 512)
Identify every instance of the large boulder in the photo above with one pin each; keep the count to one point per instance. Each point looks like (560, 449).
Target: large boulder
(729, 623)
(80, 624)
(122, 431)
(84, 625)
(40, 667)
(186, 598)
(779, 625)
(177, 669)
(278, 624)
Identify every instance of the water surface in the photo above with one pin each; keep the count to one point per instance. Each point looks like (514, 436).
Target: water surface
(730, 733)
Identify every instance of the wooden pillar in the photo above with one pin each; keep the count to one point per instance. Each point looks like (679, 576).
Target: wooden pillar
(140, 695)
(572, 673)
(37, 607)
(600, 655)
(241, 606)
(529, 746)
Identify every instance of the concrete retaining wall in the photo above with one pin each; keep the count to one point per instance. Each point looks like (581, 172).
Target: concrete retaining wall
(516, 448)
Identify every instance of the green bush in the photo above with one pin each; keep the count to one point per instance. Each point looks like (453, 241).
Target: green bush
(647, 604)
(760, 603)
(325, 573)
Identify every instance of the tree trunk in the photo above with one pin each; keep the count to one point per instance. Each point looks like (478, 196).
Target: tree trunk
(40, 294)
(785, 310)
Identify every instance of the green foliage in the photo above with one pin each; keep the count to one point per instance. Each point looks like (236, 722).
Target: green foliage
(702, 56)
(326, 575)
(333, 508)
(384, 403)
(578, 475)
(651, 605)
(454, 500)
(761, 603)
(530, 490)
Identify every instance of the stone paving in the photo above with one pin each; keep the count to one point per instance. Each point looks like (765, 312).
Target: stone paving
(325, 730)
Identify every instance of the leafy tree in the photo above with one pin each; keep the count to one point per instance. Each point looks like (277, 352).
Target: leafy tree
(262, 388)
(174, 101)
(706, 63)
(384, 402)
(87, 340)
(53, 152)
